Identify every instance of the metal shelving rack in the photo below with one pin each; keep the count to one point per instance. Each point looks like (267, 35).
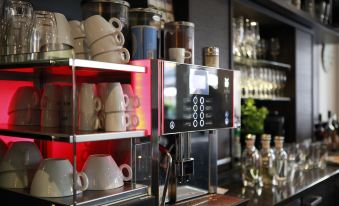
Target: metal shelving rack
(28, 71)
(260, 62)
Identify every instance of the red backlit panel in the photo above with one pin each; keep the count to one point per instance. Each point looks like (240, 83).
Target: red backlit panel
(7, 90)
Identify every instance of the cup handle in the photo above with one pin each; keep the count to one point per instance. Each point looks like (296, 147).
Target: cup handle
(125, 53)
(102, 119)
(128, 120)
(129, 169)
(98, 104)
(136, 101)
(97, 123)
(188, 54)
(119, 38)
(135, 120)
(117, 21)
(126, 100)
(83, 176)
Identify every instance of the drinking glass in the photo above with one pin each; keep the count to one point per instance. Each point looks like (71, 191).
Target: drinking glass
(44, 30)
(255, 36)
(238, 35)
(18, 24)
(274, 48)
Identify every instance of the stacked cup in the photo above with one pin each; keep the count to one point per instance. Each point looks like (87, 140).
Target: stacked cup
(134, 102)
(24, 107)
(105, 39)
(80, 46)
(50, 106)
(19, 164)
(115, 103)
(89, 106)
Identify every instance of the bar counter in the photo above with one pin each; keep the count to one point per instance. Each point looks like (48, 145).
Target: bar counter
(323, 183)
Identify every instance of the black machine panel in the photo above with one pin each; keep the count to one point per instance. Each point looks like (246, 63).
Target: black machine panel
(196, 98)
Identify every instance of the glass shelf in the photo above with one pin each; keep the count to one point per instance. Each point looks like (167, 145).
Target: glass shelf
(100, 197)
(78, 63)
(249, 62)
(282, 99)
(65, 135)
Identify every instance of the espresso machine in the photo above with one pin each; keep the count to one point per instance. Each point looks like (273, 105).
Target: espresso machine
(189, 104)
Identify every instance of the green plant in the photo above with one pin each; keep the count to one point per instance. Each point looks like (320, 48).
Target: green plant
(252, 118)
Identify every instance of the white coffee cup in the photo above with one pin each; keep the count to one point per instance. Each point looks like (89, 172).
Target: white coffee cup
(103, 172)
(76, 30)
(27, 117)
(20, 156)
(89, 122)
(79, 45)
(51, 97)
(88, 101)
(117, 121)
(120, 56)
(179, 54)
(25, 97)
(64, 35)
(66, 98)
(134, 100)
(96, 27)
(14, 179)
(50, 118)
(108, 43)
(54, 178)
(114, 97)
(134, 120)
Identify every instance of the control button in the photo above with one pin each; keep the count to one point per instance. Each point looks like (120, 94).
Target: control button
(195, 100)
(202, 100)
(202, 107)
(195, 107)
(195, 115)
(172, 125)
(195, 123)
(227, 114)
(202, 115)
(202, 123)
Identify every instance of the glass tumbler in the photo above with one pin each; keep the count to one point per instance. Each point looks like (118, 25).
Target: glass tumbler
(44, 31)
(18, 26)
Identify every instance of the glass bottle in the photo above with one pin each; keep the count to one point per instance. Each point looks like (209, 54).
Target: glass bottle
(267, 159)
(280, 163)
(236, 146)
(251, 163)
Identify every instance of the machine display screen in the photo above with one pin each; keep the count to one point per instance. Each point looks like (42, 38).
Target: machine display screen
(198, 82)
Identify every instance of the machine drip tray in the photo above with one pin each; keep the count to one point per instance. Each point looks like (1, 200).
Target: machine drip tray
(213, 200)
(185, 192)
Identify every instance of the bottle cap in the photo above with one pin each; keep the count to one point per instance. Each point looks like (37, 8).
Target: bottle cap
(250, 137)
(265, 137)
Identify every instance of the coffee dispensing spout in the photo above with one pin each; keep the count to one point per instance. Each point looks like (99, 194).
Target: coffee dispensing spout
(184, 163)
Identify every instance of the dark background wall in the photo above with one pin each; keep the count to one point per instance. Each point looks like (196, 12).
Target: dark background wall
(70, 8)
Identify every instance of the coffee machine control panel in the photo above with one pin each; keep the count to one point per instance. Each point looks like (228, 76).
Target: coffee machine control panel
(196, 98)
